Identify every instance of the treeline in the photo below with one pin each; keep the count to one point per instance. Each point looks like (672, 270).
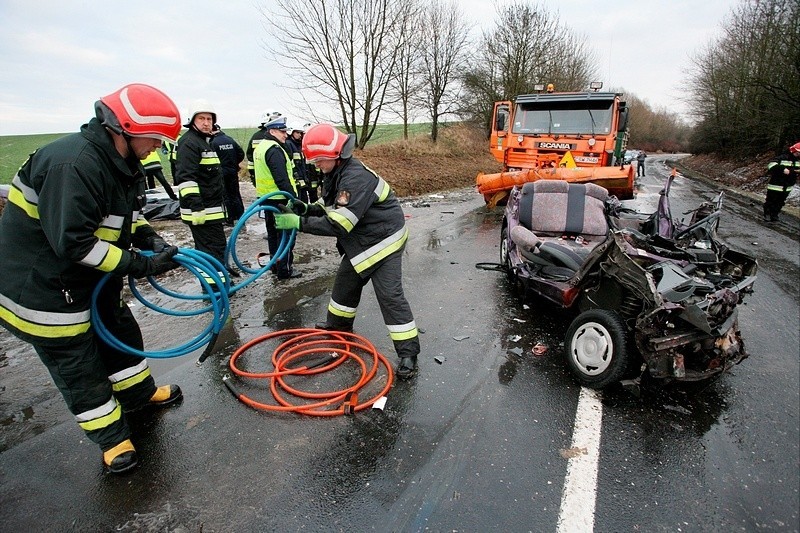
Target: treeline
(745, 85)
(372, 60)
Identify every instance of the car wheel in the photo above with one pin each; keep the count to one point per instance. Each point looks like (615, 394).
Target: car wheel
(505, 261)
(595, 348)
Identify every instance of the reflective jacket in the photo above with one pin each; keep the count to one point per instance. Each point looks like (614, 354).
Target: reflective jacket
(273, 168)
(74, 209)
(294, 149)
(363, 213)
(779, 180)
(198, 175)
(257, 137)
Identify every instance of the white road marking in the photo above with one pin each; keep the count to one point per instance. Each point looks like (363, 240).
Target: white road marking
(580, 487)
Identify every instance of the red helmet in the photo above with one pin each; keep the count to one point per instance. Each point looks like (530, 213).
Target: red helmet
(323, 141)
(140, 110)
(795, 148)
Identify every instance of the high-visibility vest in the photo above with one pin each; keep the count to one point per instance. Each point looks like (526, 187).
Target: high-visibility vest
(265, 182)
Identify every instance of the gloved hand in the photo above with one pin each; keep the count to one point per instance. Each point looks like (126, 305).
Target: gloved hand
(142, 266)
(198, 217)
(156, 243)
(287, 220)
(298, 207)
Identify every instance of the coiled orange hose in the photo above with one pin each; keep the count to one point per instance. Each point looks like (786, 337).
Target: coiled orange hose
(300, 344)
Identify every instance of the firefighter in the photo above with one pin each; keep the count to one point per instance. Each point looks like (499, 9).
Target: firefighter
(783, 172)
(74, 210)
(258, 136)
(294, 147)
(201, 186)
(361, 211)
(275, 172)
(153, 171)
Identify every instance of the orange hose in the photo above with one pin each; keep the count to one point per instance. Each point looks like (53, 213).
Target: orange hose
(300, 344)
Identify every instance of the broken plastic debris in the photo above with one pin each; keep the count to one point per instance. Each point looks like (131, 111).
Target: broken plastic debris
(461, 337)
(519, 320)
(439, 359)
(539, 349)
(514, 338)
(515, 351)
(380, 403)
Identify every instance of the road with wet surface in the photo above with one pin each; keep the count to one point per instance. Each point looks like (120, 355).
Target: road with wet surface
(480, 440)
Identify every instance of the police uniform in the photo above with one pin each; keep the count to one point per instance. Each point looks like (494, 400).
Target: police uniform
(74, 209)
(261, 134)
(365, 216)
(274, 172)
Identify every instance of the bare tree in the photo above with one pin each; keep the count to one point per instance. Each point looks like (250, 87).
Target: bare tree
(443, 57)
(745, 85)
(526, 46)
(406, 82)
(344, 51)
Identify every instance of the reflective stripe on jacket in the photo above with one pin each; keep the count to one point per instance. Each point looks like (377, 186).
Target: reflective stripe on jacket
(272, 179)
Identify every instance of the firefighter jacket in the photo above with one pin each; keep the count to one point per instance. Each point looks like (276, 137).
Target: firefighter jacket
(74, 209)
(274, 169)
(363, 214)
(295, 151)
(257, 137)
(198, 175)
(783, 172)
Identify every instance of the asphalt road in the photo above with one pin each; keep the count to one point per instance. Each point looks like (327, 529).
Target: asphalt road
(480, 440)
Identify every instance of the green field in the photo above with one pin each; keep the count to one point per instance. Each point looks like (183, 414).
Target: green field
(15, 149)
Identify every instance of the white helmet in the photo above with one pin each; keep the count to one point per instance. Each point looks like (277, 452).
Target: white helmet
(293, 127)
(200, 106)
(269, 116)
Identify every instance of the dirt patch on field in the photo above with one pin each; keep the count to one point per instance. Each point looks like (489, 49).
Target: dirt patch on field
(419, 166)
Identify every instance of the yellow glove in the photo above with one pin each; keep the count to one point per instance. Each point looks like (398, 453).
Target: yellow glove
(198, 217)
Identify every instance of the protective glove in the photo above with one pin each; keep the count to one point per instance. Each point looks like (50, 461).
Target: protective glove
(156, 243)
(198, 217)
(287, 221)
(142, 266)
(298, 207)
(302, 208)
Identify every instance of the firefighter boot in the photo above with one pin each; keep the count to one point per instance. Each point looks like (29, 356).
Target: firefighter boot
(163, 396)
(407, 367)
(121, 458)
(330, 327)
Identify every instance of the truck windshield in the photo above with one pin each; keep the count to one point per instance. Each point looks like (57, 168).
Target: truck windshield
(564, 118)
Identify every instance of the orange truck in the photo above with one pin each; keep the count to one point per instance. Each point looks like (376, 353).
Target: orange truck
(573, 136)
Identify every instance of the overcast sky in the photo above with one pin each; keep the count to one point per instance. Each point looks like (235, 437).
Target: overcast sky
(58, 57)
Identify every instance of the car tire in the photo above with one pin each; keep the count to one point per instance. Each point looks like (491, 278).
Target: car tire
(596, 348)
(505, 260)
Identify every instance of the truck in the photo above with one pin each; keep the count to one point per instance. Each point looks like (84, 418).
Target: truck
(578, 137)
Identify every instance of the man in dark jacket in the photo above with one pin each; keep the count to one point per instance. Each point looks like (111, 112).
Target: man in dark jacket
(74, 210)
(230, 156)
(783, 172)
(363, 213)
(294, 147)
(198, 175)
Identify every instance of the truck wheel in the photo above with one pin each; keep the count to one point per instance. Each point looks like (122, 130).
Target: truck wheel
(595, 348)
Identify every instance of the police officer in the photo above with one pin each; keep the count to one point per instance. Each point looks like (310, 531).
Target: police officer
(274, 172)
(783, 172)
(230, 156)
(258, 136)
(74, 210)
(198, 175)
(358, 208)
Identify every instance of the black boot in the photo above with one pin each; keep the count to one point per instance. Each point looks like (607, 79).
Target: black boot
(407, 367)
(329, 327)
(121, 458)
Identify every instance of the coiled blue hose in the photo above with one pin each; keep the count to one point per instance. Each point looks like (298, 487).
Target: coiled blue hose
(217, 288)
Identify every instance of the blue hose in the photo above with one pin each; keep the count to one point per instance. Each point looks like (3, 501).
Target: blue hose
(217, 289)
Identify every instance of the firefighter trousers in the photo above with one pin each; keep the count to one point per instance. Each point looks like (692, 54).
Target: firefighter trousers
(387, 280)
(98, 381)
(210, 238)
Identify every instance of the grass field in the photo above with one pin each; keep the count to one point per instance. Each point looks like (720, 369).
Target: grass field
(15, 149)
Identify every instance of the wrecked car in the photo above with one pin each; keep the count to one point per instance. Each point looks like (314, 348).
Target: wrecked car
(652, 294)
